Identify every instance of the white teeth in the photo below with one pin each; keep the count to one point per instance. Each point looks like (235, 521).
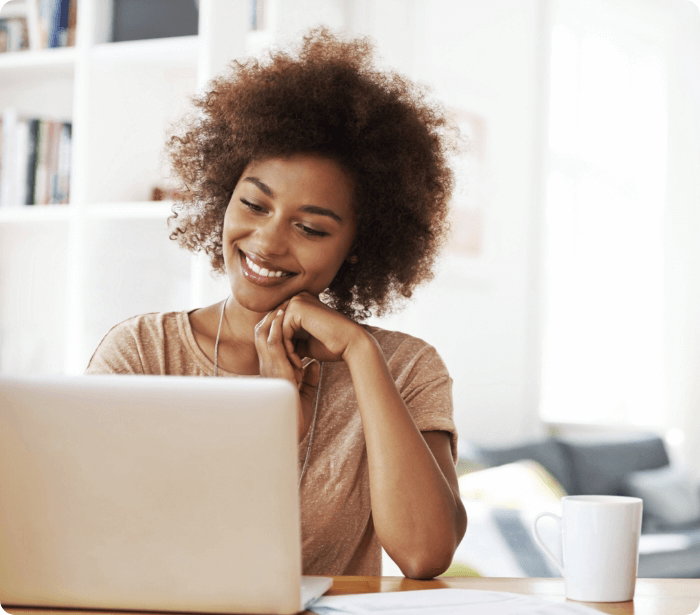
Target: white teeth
(263, 272)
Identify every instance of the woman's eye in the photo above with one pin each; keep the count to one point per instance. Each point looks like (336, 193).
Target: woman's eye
(252, 206)
(312, 232)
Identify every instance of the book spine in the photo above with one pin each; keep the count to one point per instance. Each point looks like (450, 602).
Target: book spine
(55, 196)
(21, 154)
(4, 36)
(42, 169)
(45, 20)
(22, 34)
(64, 163)
(62, 10)
(54, 18)
(51, 162)
(33, 24)
(12, 35)
(32, 142)
(72, 22)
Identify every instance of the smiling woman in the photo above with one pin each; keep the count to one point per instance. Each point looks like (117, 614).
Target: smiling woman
(291, 217)
(319, 187)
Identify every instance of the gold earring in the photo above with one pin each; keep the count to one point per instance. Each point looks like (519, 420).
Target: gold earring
(353, 259)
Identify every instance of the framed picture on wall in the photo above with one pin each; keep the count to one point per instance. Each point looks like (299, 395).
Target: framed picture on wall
(469, 248)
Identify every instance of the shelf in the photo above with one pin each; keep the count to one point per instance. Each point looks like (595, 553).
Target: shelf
(146, 210)
(162, 51)
(35, 213)
(60, 60)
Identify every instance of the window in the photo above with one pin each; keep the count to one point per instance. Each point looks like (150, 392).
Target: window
(606, 191)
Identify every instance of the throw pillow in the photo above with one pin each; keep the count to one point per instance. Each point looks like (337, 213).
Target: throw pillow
(545, 452)
(601, 463)
(521, 485)
(671, 495)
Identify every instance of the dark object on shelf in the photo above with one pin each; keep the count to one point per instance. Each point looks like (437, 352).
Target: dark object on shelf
(135, 20)
(58, 36)
(164, 194)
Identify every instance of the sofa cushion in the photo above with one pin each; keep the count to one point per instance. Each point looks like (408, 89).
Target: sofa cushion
(601, 464)
(671, 496)
(545, 452)
(520, 485)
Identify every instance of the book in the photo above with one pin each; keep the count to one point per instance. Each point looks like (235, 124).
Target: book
(50, 23)
(35, 160)
(14, 26)
(64, 164)
(58, 36)
(14, 34)
(20, 170)
(31, 160)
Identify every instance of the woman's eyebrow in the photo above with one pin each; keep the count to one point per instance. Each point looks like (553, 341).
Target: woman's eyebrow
(321, 211)
(309, 209)
(262, 186)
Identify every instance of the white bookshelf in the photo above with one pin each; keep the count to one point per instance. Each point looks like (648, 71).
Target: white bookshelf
(70, 272)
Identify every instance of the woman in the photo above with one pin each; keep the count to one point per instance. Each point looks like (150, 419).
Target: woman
(319, 186)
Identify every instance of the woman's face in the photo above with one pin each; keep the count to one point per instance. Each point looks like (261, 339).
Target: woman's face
(288, 228)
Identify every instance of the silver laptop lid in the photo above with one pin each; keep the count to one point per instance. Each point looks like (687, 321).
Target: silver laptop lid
(149, 493)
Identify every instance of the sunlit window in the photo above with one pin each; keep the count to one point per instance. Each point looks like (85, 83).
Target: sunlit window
(604, 283)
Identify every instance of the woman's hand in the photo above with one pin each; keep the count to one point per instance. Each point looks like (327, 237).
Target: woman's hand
(274, 363)
(312, 329)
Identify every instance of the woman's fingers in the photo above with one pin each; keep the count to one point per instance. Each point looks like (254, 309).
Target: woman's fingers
(274, 337)
(309, 383)
(289, 331)
(295, 337)
(272, 357)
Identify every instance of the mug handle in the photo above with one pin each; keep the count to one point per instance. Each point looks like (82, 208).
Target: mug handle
(557, 562)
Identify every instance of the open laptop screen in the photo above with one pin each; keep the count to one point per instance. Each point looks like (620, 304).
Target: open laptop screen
(149, 493)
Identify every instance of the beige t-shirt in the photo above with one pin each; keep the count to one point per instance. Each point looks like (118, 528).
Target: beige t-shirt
(338, 536)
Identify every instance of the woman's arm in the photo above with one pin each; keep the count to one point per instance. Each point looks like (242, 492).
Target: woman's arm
(418, 514)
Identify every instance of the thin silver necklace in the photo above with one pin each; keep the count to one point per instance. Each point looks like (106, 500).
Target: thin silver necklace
(318, 389)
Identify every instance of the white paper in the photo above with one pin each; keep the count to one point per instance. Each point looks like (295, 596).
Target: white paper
(445, 602)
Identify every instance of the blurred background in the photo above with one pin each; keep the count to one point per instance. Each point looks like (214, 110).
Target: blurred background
(569, 295)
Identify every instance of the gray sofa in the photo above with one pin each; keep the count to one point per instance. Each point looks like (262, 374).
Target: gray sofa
(620, 464)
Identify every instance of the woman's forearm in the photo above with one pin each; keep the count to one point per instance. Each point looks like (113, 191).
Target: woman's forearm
(417, 517)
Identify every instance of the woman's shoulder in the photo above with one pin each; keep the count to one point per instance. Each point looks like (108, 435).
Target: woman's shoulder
(405, 352)
(124, 346)
(149, 324)
(392, 342)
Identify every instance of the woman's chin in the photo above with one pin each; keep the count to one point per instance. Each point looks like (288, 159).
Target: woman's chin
(256, 303)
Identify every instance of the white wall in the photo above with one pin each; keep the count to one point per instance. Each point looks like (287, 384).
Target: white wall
(482, 318)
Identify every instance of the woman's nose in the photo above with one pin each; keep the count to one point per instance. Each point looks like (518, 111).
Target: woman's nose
(271, 238)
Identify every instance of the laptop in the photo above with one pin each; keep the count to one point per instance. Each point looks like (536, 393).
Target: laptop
(151, 493)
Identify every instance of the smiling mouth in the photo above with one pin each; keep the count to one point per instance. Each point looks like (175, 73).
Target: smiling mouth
(262, 275)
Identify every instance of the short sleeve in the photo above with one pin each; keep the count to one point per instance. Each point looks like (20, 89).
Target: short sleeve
(426, 388)
(117, 353)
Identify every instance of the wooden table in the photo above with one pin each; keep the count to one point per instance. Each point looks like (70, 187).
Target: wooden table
(652, 596)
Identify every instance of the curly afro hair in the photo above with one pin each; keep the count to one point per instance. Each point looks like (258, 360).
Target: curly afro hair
(326, 99)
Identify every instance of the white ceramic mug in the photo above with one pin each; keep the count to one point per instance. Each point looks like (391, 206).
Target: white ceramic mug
(600, 546)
